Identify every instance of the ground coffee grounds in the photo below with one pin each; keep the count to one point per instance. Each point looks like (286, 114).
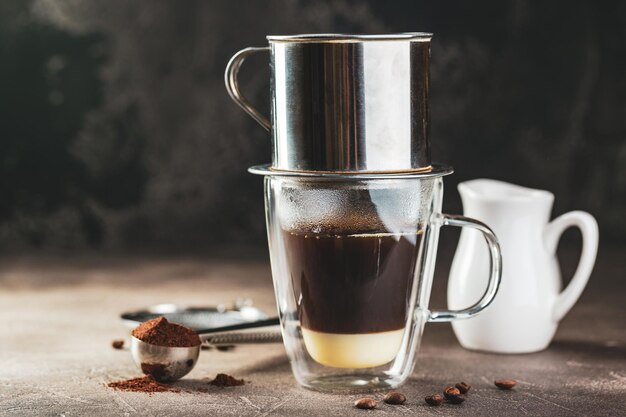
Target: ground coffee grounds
(223, 380)
(161, 332)
(142, 384)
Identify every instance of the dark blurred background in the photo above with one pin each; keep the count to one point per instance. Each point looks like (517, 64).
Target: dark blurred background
(116, 131)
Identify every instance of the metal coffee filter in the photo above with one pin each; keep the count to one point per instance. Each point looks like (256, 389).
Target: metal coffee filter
(345, 103)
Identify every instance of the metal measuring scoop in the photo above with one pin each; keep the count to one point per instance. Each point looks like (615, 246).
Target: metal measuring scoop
(165, 363)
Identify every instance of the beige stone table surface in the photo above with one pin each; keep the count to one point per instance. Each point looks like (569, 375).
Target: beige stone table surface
(59, 315)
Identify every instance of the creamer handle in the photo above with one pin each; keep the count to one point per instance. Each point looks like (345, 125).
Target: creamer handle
(551, 235)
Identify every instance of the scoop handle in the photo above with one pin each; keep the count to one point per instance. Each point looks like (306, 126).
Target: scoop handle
(242, 338)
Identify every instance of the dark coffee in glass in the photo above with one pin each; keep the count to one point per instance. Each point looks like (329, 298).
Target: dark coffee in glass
(352, 288)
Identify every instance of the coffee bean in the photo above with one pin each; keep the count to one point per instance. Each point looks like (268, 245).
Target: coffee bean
(453, 395)
(435, 399)
(505, 384)
(455, 399)
(395, 398)
(365, 403)
(450, 391)
(463, 387)
(117, 344)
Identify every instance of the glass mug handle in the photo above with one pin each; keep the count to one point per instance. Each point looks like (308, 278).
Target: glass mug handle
(494, 277)
(232, 86)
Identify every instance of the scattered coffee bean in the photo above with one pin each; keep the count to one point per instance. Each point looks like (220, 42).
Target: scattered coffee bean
(505, 384)
(394, 398)
(435, 399)
(365, 403)
(453, 395)
(118, 344)
(455, 399)
(463, 387)
(450, 391)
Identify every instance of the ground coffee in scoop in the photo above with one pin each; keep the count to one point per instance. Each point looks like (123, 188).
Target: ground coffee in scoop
(161, 332)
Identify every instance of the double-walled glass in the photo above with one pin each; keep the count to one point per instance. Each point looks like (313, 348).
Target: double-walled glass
(352, 264)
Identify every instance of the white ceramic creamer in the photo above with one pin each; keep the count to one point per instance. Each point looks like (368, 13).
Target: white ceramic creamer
(525, 314)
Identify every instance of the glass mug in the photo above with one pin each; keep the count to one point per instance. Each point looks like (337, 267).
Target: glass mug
(352, 259)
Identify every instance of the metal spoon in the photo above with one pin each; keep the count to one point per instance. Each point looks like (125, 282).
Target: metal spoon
(171, 363)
